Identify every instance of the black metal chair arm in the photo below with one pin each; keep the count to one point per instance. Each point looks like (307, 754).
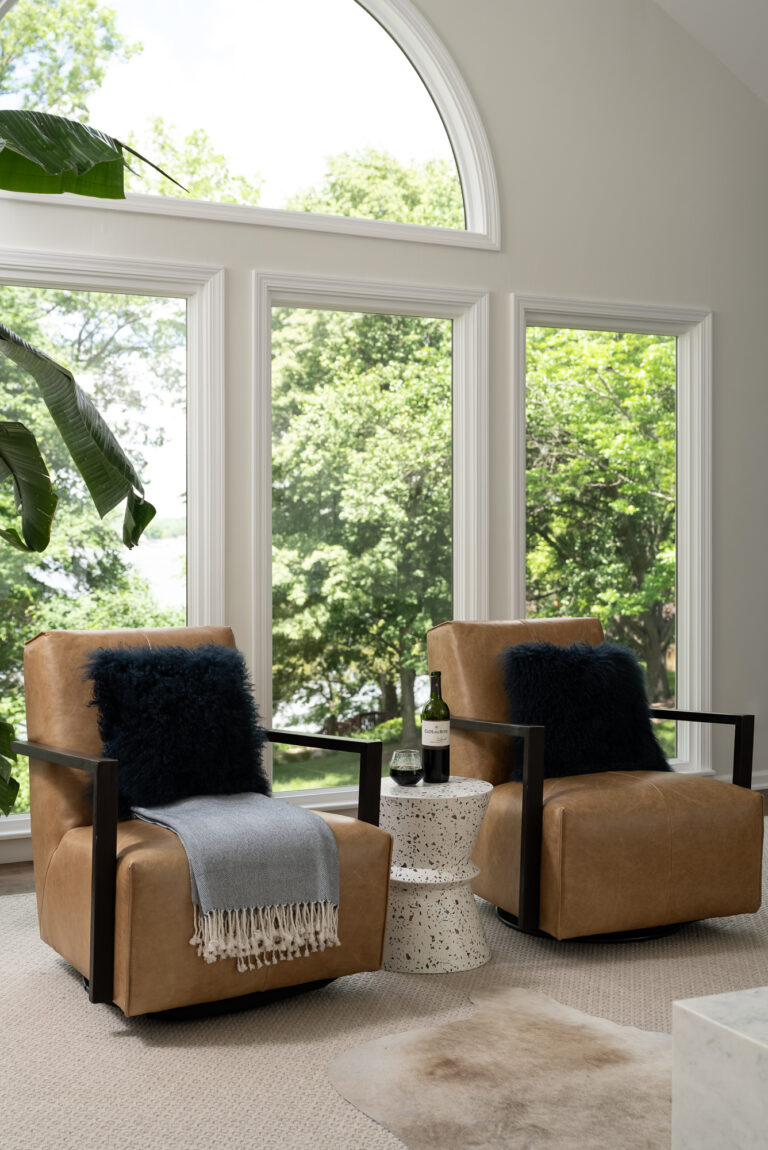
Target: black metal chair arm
(532, 810)
(743, 736)
(59, 756)
(103, 857)
(370, 752)
(696, 716)
(521, 730)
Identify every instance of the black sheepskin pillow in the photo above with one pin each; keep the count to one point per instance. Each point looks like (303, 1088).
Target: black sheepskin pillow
(592, 702)
(181, 721)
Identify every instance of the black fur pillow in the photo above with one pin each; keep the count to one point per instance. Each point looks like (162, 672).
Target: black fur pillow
(181, 721)
(592, 702)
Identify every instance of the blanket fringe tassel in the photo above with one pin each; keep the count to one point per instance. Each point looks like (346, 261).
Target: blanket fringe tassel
(265, 934)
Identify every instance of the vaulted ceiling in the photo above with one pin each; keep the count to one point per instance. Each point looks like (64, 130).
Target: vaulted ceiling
(735, 31)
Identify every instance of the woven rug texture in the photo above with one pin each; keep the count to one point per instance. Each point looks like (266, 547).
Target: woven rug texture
(83, 1076)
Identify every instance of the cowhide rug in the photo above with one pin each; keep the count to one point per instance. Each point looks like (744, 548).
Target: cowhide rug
(522, 1072)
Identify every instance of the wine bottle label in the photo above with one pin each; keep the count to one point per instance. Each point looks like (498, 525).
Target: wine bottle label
(435, 733)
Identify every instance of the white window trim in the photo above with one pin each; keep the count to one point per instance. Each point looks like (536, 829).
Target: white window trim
(203, 288)
(463, 125)
(693, 328)
(469, 312)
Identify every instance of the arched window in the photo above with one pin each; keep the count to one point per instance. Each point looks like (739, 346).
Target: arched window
(343, 108)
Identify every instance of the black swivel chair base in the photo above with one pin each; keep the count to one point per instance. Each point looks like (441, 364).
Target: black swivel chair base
(232, 1005)
(642, 935)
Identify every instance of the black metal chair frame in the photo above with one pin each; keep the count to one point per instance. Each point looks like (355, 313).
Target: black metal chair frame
(532, 738)
(104, 843)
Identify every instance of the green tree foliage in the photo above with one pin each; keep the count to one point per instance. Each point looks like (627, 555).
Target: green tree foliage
(374, 185)
(362, 470)
(53, 57)
(600, 481)
(362, 498)
(193, 159)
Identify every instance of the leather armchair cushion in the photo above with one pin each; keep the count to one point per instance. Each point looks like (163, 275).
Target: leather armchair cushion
(155, 967)
(626, 850)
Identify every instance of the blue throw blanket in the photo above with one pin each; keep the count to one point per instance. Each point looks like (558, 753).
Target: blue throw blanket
(264, 876)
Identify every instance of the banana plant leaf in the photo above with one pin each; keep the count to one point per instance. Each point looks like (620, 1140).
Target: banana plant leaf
(20, 459)
(9, 787)
(107, 471)
(50, 154)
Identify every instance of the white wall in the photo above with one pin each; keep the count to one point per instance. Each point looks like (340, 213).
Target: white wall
(632, 167)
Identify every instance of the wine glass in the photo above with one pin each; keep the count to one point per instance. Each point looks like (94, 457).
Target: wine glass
(405, 767)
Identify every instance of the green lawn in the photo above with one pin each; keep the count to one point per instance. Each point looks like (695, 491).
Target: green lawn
(666, 732)
(298, 769)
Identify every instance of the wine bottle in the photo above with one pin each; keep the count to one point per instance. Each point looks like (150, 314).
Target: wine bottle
(435, 734)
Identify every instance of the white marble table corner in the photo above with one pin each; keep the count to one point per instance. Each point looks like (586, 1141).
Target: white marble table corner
(720, 1071)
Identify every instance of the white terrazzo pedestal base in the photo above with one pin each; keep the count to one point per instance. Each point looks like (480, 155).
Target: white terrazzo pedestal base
(720, 1071)
(433, 925)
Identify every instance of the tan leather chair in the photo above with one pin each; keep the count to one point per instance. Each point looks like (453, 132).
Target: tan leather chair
(114, 898)
(593, 854)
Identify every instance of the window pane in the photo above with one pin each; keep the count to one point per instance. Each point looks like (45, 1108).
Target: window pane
(600, 490)
(128, 354)
(361, 526)
(243, 102)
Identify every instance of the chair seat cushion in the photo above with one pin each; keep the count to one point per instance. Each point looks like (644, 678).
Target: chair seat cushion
(592, 701)
(628, 850)
(155, 967)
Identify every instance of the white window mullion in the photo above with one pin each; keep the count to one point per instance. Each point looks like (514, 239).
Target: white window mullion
(694, 543)
(206, 479)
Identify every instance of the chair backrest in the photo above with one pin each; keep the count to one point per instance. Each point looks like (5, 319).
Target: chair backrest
(467, 654)
(58, 715)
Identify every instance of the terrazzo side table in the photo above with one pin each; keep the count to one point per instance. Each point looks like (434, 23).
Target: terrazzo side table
(720, 1071)
(433, 925)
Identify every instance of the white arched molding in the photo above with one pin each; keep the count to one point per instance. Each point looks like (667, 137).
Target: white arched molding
(456, 108)
(463, 125)
(203, 288)
(693, 329)
(469, 312)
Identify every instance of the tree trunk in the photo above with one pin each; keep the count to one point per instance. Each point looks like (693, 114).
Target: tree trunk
(388, 696)
(655, 657)
(410, 734)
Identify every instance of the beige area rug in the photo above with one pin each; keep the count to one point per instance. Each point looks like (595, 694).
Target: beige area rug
(82, 1077)
(522, 1072)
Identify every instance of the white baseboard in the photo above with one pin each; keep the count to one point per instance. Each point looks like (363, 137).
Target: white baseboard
(15, 840)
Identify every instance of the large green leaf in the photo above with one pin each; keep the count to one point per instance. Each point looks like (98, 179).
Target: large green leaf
(20, 459)
(7, 735)
(108, 472)
(50, 154)
(9, 787)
